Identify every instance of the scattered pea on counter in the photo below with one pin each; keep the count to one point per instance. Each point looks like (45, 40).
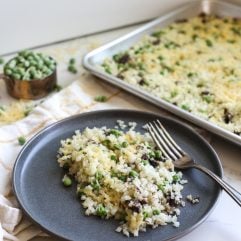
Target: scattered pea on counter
(28, 65)
(58, 88)
(1, 60)
(101, 98)
(26, 112)
(72, 61)
(72, 66)
(21, 140)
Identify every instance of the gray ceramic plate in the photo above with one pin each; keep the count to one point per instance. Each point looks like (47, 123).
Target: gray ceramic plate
(37, 181)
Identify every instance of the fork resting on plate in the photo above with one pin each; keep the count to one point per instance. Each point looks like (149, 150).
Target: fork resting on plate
(181, 159)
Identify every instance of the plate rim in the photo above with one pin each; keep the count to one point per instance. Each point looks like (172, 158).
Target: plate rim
(17, 193)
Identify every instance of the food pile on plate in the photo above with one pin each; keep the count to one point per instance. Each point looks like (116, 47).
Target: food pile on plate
(122, 175)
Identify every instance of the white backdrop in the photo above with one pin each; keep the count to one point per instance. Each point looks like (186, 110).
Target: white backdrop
(30, 23)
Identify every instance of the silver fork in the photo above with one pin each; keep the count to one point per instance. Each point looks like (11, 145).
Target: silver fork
(181, 160)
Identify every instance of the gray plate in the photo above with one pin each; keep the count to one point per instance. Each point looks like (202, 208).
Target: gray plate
(37, 181)
(93, 60)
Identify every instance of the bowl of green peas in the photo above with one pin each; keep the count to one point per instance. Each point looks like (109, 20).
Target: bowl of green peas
(30, 75)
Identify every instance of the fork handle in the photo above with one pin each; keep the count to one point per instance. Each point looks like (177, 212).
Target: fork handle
(235, 195)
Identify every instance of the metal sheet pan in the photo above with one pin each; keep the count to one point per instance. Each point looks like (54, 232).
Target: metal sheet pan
(93, 60)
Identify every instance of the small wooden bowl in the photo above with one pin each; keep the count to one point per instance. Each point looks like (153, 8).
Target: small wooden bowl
(30, 89)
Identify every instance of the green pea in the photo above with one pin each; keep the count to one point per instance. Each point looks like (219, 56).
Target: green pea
(113, 157)
(16, 76)
(8, 71)
(156, 212)
(26, 76)
(45, 69)
(185, 107)
(33, 63)
(35, 73)
(107, 68)
(36, 57)
(145, 215)
(158, 33)
(26, 64)
(15, 70)
(161, 187)
(145, 162)
(113, 174)
(207, 98)
(98, 176)
(27, 111)
(124, 144)
(40, 55)
(32, 70)
(101, 211)
(72, 69)
(20, 71)
(12, 64)
(40, 62)
(24, 53)
(52, 60)
(72, 61)
(106, 142)
(115, 132)
(20, 59)
(66, 181)
(133, 174)
(95, 185)
(158, 154)
(40, 67)
(209, 43)
(175, 178)
(101, 98)
(47, 61)
(47, 73)
(58, 88)
(122, 177)
(30, 58)
(52, 67)
(152, 154)
(38, 75)
(117, 146)
(21, 140)
(174, 93)
(20, 65)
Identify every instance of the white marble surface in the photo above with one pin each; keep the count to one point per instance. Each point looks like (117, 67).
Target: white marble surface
(224, 223)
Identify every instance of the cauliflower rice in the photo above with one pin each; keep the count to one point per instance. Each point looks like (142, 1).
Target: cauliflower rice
(124, 176)
(193, 63)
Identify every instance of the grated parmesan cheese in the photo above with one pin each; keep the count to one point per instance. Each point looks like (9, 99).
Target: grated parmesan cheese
(14, 112)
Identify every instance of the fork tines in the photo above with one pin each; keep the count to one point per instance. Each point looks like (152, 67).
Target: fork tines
(164, 141)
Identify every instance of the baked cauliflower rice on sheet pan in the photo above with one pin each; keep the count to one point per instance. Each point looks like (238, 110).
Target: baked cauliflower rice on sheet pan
(193, 63)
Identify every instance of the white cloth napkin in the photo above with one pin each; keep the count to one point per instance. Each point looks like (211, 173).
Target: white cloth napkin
(77, 98)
